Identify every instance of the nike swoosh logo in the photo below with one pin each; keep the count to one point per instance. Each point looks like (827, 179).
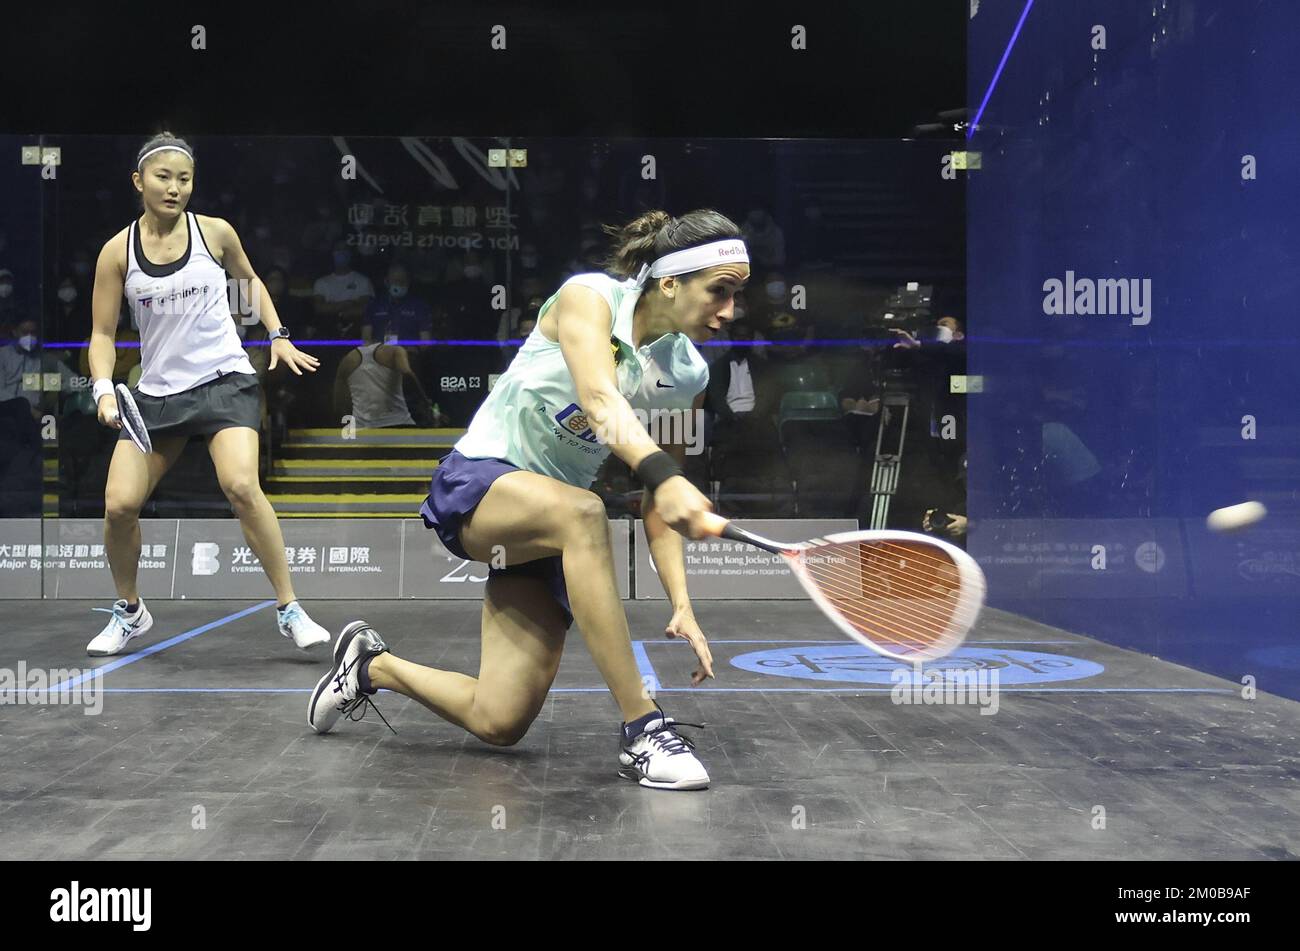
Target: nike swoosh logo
(666, 386)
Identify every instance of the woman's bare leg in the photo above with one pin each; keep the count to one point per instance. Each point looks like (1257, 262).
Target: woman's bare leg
(234, 453)
(525, 516)
(132, 477)
(523, 638)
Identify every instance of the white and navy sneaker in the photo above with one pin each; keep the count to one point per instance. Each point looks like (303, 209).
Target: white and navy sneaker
(656, 755)
(344, 690)
(295, 623)
(121, 628)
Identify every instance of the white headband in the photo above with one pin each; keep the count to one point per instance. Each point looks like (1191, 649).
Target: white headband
(695, 259)
(162, 148)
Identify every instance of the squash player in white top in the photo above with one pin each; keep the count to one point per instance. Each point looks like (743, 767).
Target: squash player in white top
(195, 380)
(514, 493)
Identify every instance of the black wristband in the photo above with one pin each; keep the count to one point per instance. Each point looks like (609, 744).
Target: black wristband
(656, 468)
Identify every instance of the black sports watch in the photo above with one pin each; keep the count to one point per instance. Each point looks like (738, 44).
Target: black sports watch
(276, 334)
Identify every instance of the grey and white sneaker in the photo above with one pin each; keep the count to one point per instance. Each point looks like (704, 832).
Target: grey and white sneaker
(340, 691)
(294, 622)
(121, 628)
(656, 755)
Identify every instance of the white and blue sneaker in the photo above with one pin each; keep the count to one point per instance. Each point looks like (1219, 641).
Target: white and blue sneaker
(121, 628)
(342, 690)
(655, 755)
(294, 622)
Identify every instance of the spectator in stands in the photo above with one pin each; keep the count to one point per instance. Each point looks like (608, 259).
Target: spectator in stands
(341, 296)
(528, 264)
(69, 313)
(465, 300)
(24, 366)
(377, 387)
(527, 321)
(397, 314)
(83, 271)
(860, 395)
(261, 244)
(741, 389)
(949, 517)
(21, 451)
(324, 232)
(9, 309)
(946, 330)
(742, 400)
(795, 364)
(765, 240)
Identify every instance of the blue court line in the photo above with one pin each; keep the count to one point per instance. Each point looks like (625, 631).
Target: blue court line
(648, 676)
(708, 689)
(997, 73)
(162, 645)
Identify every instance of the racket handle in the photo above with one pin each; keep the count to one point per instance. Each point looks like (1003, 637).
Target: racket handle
(714, 524)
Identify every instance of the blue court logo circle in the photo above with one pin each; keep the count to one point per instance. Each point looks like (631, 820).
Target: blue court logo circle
(856, 664)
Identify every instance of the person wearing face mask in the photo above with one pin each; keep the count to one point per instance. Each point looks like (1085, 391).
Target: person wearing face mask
(20, 355)
(21, 409)
(397, 314)
(776, 289)
(69, 311)
(340, 297)
(769, 297)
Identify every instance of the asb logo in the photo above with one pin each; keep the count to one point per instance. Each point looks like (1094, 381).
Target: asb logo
(203, 558)
(856, 664)
(574, 420)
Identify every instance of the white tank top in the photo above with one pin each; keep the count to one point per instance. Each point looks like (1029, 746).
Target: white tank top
(377, 398)
(187, 334)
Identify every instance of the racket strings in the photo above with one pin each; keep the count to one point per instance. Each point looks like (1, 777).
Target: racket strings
(890, 570)
(894, 594)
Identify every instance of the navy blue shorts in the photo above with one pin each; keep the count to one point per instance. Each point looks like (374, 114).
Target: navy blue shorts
(457, 487)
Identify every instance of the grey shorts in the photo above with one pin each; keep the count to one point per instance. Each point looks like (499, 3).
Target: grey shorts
(230, 400)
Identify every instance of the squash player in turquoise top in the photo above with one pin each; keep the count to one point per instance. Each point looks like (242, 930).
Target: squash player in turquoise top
(608, 353)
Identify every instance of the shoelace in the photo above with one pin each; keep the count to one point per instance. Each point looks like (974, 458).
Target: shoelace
(361, 701)
(667, 739)
(294, 613)
(119, 615)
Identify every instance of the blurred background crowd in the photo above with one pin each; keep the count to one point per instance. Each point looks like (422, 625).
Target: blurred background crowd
(415, 282)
